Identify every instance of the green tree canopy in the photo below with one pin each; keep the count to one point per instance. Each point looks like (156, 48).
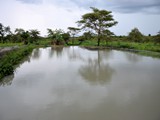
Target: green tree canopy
(73, 31)
(157, 37)
(66, 37)
(88, 35)
(56, 36)
(34, 35)
(99, 21)
(135, 35)
(50, 33)
(19, 31)
(25, 36)
(4, 31)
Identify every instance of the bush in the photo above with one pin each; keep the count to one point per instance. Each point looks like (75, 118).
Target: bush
(157, 38)
(135, 35)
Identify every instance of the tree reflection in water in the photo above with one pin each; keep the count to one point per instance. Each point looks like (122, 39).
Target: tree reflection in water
(132, 57)
(74, 54)
(97, 71)
(36, 53)
(55, 50)
(7, 81)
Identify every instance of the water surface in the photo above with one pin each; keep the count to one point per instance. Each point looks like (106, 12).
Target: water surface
(73, 83)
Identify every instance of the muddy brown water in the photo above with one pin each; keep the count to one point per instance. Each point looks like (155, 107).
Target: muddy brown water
(72, 83)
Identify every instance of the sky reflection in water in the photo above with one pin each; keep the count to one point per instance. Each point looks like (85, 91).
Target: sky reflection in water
(72, 83)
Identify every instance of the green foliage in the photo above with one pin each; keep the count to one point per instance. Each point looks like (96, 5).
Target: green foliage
(117, 44)
(4, 31)
(25, 37)
(34, 35)
(135, 46)
(58, 36)
(17, 37)
(73, 32)
(58, 40)
(20, 35)
(135, 35)
(50, 33)
(99, 21)
(44, 42)
(157, 38)
(66, 37)
(8, 61)
(10, 44)
(88, 35)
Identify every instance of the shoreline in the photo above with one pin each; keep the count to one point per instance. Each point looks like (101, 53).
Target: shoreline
(141, 52)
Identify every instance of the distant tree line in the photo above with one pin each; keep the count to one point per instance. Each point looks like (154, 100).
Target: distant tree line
(19, 35)
(92, 26)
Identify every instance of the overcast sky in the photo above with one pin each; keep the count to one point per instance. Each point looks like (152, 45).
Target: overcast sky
(60, 14)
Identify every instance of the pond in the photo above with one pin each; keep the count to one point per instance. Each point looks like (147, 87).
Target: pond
(73, 83)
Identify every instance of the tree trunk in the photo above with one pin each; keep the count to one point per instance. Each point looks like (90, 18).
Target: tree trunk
(98, 40)
(1, 38)
(72, 41)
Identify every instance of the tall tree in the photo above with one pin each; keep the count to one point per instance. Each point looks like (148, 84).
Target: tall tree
(19, 31)
(25, 36)
(18, 35)
(22, 35)
(50, 33)
(99, 21)
(66, 37)
(73, 31)
(34, 34)
(4, 31)
(56, 36)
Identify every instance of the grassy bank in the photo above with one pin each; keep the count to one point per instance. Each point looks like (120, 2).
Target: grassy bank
(10, 44)
(116, 43)
(136, 46)
(148, 46)
(8, 61)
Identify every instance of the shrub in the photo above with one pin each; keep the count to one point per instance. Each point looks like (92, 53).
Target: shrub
(135, 35)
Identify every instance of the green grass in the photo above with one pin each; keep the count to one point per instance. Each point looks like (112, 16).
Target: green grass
(10, 44)
(8, 61)
(133, 45)
(149, 46)
(148, 49)
(40, 42)
(44, 42)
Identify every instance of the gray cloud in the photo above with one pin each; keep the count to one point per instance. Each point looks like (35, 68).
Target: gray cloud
(42, 14)
(135, 6)
(121, 6)
(124, 6)
(31, 1)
